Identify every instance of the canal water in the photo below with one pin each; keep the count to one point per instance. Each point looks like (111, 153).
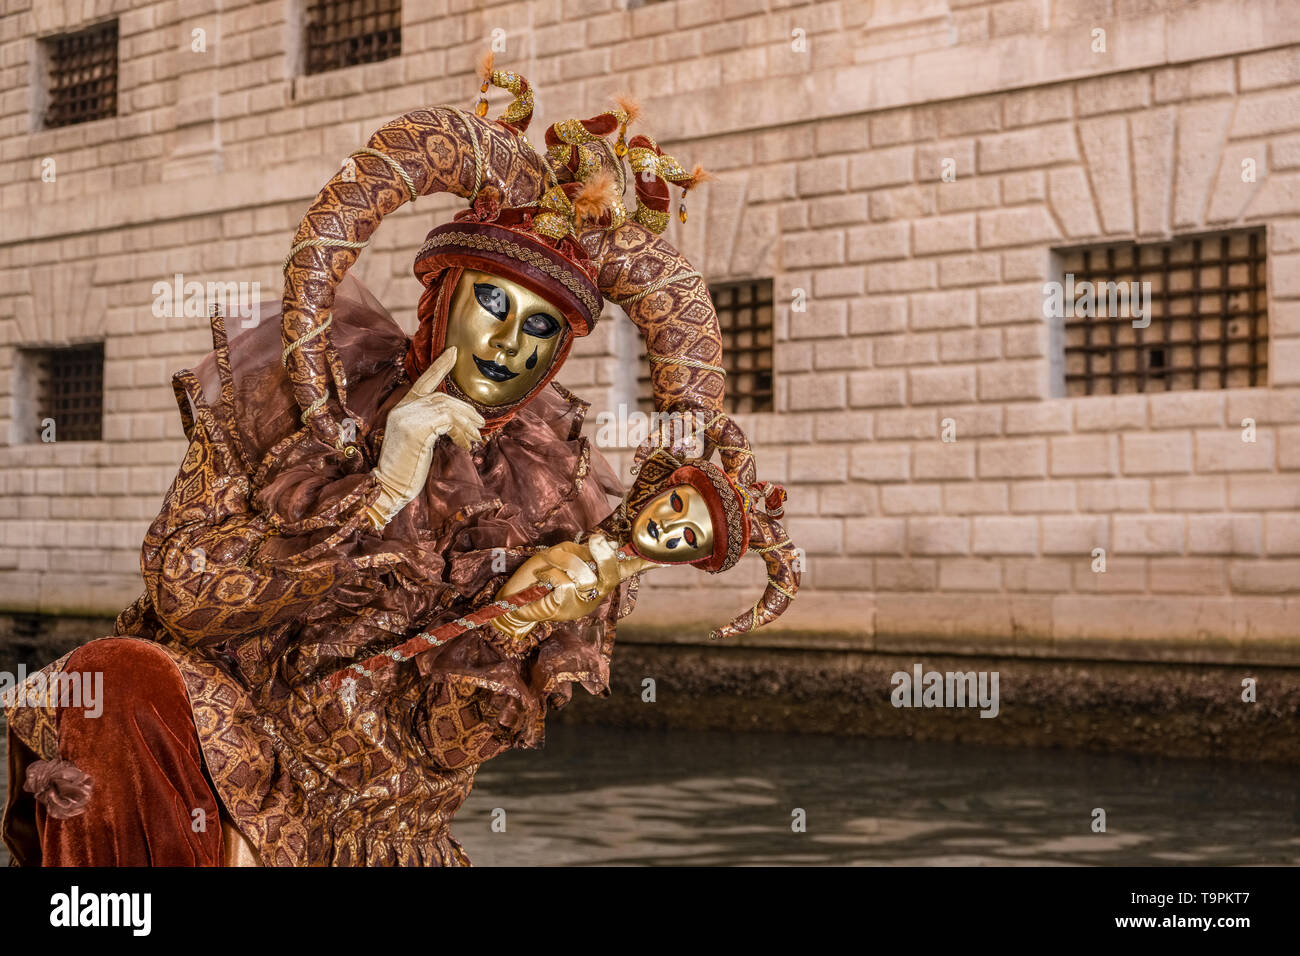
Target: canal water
(609, 796)
(598, 795)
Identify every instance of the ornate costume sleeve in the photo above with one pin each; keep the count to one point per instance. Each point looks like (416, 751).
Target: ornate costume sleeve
(484, 696)
(220, 561)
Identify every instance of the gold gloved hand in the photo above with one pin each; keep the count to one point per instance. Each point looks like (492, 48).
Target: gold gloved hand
(414, 426)
(577, 589)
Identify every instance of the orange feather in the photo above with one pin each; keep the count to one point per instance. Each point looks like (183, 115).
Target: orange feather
(630, 105)
(701, 175)
(596, 198)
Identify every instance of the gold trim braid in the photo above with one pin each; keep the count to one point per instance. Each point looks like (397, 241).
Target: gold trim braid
(655, 287)
(311, 409)
(304, 339)
(322, 242)
(396, 167)
(689, 363)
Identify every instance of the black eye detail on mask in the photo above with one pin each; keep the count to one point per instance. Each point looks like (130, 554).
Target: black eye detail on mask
(541, 325)
(689, 535)
(493, 299)
(676, 502)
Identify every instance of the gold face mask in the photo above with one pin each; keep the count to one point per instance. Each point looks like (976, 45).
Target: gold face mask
(675, 527)
(506, 338)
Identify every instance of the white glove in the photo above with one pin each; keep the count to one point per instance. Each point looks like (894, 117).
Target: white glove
(414, 426)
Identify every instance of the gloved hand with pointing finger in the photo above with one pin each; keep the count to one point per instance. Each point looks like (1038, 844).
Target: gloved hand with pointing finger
(414, 426)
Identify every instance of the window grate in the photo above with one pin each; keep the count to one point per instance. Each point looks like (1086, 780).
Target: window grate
(82, 76)
(745, 319)
(349, 32)
(69, 387)
(1208, 316)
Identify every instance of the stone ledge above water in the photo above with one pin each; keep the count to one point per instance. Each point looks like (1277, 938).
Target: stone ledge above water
(1182, 710)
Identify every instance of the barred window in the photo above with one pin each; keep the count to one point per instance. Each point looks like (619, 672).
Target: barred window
(81, 75)
(745, 319)
(348, 32)
(1166, 316)
(67, 386)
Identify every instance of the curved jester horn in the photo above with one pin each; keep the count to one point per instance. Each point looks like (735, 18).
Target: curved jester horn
(668, 300)
(654, 170)
(640, 271)
(768, 539)
(520, 111)
(421, 153)
(719, 432)
(732, 446)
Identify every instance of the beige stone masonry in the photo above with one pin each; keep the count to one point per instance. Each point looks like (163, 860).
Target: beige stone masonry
(909, 172)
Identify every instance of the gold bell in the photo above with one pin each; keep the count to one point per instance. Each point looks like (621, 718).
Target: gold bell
(481, 107)
(681, 210)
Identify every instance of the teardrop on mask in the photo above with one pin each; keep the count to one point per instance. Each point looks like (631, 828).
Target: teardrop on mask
(532, 360)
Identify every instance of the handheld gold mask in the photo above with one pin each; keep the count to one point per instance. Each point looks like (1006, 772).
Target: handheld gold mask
(505, 335)
(674, 527)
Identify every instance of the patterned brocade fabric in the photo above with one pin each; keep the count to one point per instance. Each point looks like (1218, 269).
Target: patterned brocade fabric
(263, 576)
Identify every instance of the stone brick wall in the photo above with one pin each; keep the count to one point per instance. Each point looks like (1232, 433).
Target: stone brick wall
(828, 124)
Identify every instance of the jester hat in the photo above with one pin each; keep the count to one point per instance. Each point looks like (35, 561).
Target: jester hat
(553, 221)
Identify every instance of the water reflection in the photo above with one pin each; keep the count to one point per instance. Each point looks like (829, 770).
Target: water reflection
(636, 797)
(609, 796)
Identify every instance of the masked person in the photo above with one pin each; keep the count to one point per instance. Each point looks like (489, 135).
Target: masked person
(347, 487)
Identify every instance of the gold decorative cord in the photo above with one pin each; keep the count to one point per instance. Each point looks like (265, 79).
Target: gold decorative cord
(657, 450)
(303, 339)
(736, 448)
(689, 363)
(321, 242)
(396, 167)
(311, 409)
(777, 587)
(763, 549)
(655, 287)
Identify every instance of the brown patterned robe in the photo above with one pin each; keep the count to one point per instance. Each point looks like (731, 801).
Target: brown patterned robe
(263, 575)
